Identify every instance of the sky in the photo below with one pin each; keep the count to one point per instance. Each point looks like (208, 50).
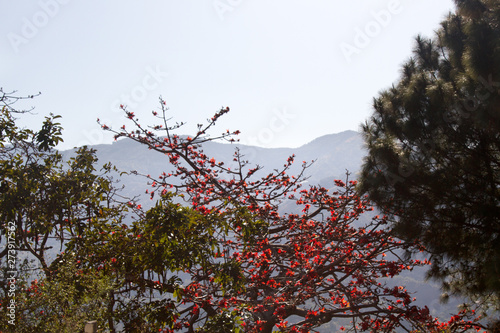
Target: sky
(289, 70)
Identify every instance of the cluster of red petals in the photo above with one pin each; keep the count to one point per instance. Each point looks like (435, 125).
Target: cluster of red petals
(317, 262)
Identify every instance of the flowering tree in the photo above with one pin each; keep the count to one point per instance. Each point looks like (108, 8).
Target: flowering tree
(245, 265)
(227, 260)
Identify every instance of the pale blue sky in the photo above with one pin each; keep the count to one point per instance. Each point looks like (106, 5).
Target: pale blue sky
(289, 70)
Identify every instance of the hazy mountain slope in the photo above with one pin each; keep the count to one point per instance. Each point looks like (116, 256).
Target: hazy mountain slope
(333, 154)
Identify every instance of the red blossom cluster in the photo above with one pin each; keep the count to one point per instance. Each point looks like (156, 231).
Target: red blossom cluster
(329, 258)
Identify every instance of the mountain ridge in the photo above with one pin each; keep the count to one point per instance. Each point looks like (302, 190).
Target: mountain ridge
(332, 154)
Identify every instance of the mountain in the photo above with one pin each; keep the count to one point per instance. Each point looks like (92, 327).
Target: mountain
(332, 154)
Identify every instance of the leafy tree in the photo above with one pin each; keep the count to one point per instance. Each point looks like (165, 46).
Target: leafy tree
(44, 202)
(43, 199)
(253, 268)
(434, 150)
(63, 303)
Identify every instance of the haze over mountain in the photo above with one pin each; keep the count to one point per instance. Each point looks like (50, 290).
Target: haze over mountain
(332, 155)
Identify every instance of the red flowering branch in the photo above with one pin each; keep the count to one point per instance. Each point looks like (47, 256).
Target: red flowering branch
(325, 260)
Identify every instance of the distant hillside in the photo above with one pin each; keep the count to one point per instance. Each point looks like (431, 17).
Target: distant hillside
(333, 155)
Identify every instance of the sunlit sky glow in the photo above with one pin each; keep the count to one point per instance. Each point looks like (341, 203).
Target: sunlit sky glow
(290, 70)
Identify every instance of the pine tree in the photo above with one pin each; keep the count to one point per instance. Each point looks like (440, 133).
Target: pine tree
(434, 149)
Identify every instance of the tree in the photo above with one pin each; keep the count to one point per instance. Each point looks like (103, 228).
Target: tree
(214, 253)
(247, 266)
(434, 150)
(63, 303)
(44, 202)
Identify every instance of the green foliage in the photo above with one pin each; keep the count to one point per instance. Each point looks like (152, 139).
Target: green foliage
(434, 149)
(229, 276)
(225, 322)
(62, 303)
(48, 199)
(42, 197)
(50, 134)
(44, 203)
(166, 239)
(182, 237)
